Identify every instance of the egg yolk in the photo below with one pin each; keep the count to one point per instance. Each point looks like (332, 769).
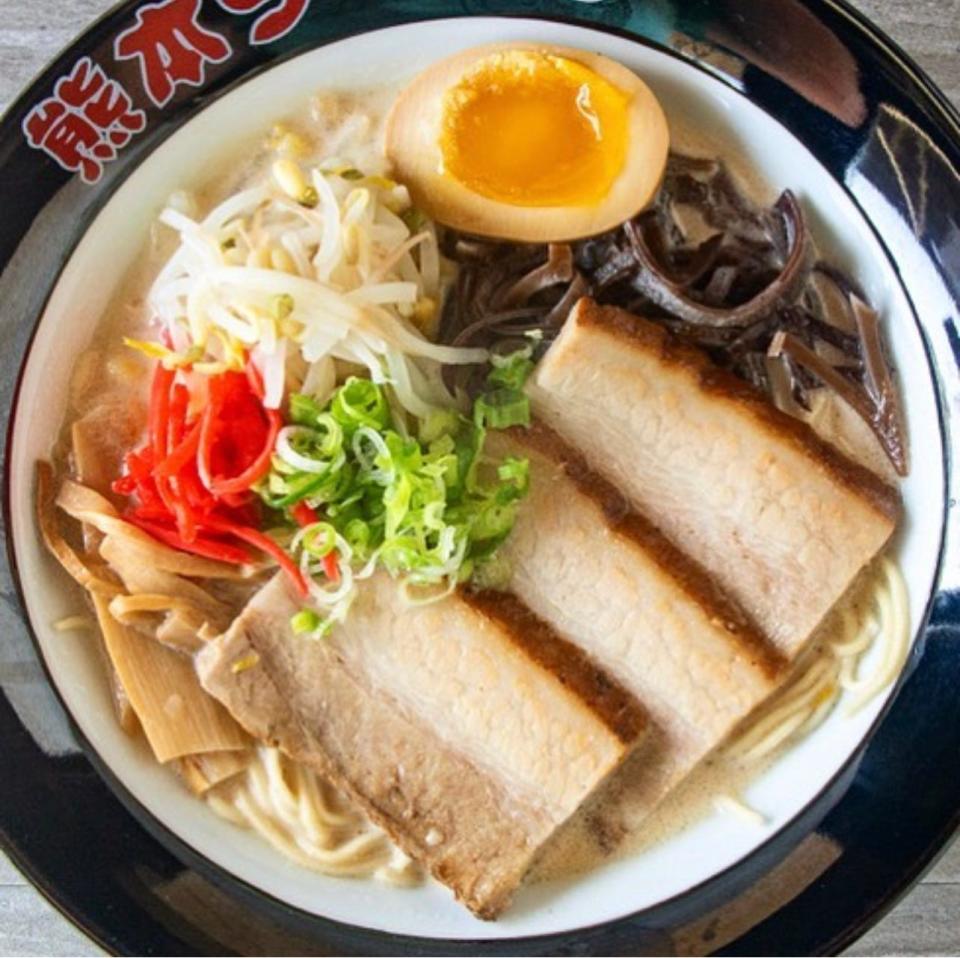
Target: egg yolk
(534, 129)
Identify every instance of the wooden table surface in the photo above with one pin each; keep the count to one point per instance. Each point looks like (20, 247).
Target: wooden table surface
(927, 921)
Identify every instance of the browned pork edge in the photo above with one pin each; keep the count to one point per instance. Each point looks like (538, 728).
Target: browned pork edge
(609, 701)
(625, 521)
(713, 380)
(605, 697)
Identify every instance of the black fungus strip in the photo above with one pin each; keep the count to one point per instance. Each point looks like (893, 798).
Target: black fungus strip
(719, 271)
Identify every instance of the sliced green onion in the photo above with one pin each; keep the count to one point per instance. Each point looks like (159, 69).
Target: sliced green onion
(304, 410)
(319, 539)
(494, 521)
(358, 535)
(513, 370)
(444, 422)
(360, 402)
(306, 620)
(501, 409)
(421, 508)
(301, 486)
(516, 471)
(331, 433)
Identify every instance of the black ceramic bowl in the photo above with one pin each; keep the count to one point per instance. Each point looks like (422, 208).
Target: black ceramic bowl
(858, 105)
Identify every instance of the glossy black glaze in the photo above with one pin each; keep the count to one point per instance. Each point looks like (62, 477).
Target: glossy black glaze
(869, 116)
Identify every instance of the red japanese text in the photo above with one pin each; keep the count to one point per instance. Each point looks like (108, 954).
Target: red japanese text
(171, 46)
(278, 21)
(88, 118)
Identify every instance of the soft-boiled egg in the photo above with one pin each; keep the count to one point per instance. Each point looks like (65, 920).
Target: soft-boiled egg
(525, 141)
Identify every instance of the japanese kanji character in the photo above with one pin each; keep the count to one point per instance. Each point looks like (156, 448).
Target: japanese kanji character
(88, 118)
(171, 46)
(275, 23)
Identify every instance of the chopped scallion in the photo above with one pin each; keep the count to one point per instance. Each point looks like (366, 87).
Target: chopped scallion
(421, 507)
(502, 408)
(306, 620)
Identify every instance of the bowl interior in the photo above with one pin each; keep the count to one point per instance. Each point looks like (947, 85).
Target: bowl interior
(85, 287)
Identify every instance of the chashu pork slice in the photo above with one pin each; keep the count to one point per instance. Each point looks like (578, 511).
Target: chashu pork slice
(607, 579)
(781, 520)
(465, 728)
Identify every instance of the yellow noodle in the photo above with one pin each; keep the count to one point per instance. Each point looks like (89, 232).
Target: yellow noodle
(287, 805)
(400, 870)
(820, 712)
(315, 812)
(226, 808)
(808, 698)
(726, 802)
(357, 858)
(279, 792)
(894, 603)
(784, 728)
(847, 649)
(791, 703)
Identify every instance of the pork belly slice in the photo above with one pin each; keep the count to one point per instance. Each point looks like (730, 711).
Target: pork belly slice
(781, 520)
(465, 728)
(607, 579)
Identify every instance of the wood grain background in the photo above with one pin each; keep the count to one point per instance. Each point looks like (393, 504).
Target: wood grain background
(927, 920)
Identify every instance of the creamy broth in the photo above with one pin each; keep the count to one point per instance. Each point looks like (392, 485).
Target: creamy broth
(628, 816)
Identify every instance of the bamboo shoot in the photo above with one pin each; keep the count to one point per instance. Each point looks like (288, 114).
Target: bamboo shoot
(200, 773)
(177, 716)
